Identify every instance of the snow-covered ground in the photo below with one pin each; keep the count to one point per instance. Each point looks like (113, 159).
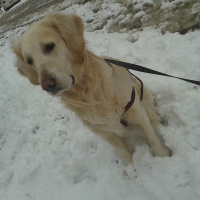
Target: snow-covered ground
(2, 11)
(47, 154)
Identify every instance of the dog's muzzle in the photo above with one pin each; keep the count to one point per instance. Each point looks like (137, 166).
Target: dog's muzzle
(49, 84)
(52, 87)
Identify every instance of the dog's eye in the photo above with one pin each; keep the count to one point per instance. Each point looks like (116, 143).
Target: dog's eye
(49, 47)
(30, 61)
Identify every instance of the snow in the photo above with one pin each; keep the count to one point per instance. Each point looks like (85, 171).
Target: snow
(16, 5)
(46, 153)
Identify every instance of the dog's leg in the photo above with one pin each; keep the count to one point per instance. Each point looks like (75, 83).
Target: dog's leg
(140, 118)
(118, 145)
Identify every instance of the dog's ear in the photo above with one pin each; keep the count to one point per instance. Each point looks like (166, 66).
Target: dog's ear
(22, 67)
(70, 28)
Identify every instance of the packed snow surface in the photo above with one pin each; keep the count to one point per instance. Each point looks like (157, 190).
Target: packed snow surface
(47, 154)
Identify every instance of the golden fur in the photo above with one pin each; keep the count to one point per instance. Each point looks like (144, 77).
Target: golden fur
(54, 49)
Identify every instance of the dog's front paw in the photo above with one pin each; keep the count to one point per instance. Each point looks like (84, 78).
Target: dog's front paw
(162, 152)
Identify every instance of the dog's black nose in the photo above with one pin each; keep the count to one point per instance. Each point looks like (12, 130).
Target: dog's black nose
(49, 85)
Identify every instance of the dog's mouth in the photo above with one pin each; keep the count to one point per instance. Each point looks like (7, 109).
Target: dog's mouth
(50, 85)
(73, 79)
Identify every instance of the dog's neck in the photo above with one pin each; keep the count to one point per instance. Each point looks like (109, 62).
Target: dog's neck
(91, 79)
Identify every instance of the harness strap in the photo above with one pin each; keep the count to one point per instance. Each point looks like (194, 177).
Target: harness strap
(141, 90)
(142, 86)
(127, 107)
(130, 103)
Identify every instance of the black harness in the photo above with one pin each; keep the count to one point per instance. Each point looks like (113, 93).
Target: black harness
(145, 70)
(129, 104)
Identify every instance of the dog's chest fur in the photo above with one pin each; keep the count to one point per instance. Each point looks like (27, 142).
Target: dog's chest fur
(97, 111)
(97, 99)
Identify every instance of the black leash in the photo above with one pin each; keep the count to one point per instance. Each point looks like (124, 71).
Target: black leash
(146, 70)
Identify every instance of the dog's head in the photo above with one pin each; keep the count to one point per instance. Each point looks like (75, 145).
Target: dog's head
(49, 51)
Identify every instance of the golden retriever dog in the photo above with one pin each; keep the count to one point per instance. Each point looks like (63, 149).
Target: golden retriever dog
(52, 53)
